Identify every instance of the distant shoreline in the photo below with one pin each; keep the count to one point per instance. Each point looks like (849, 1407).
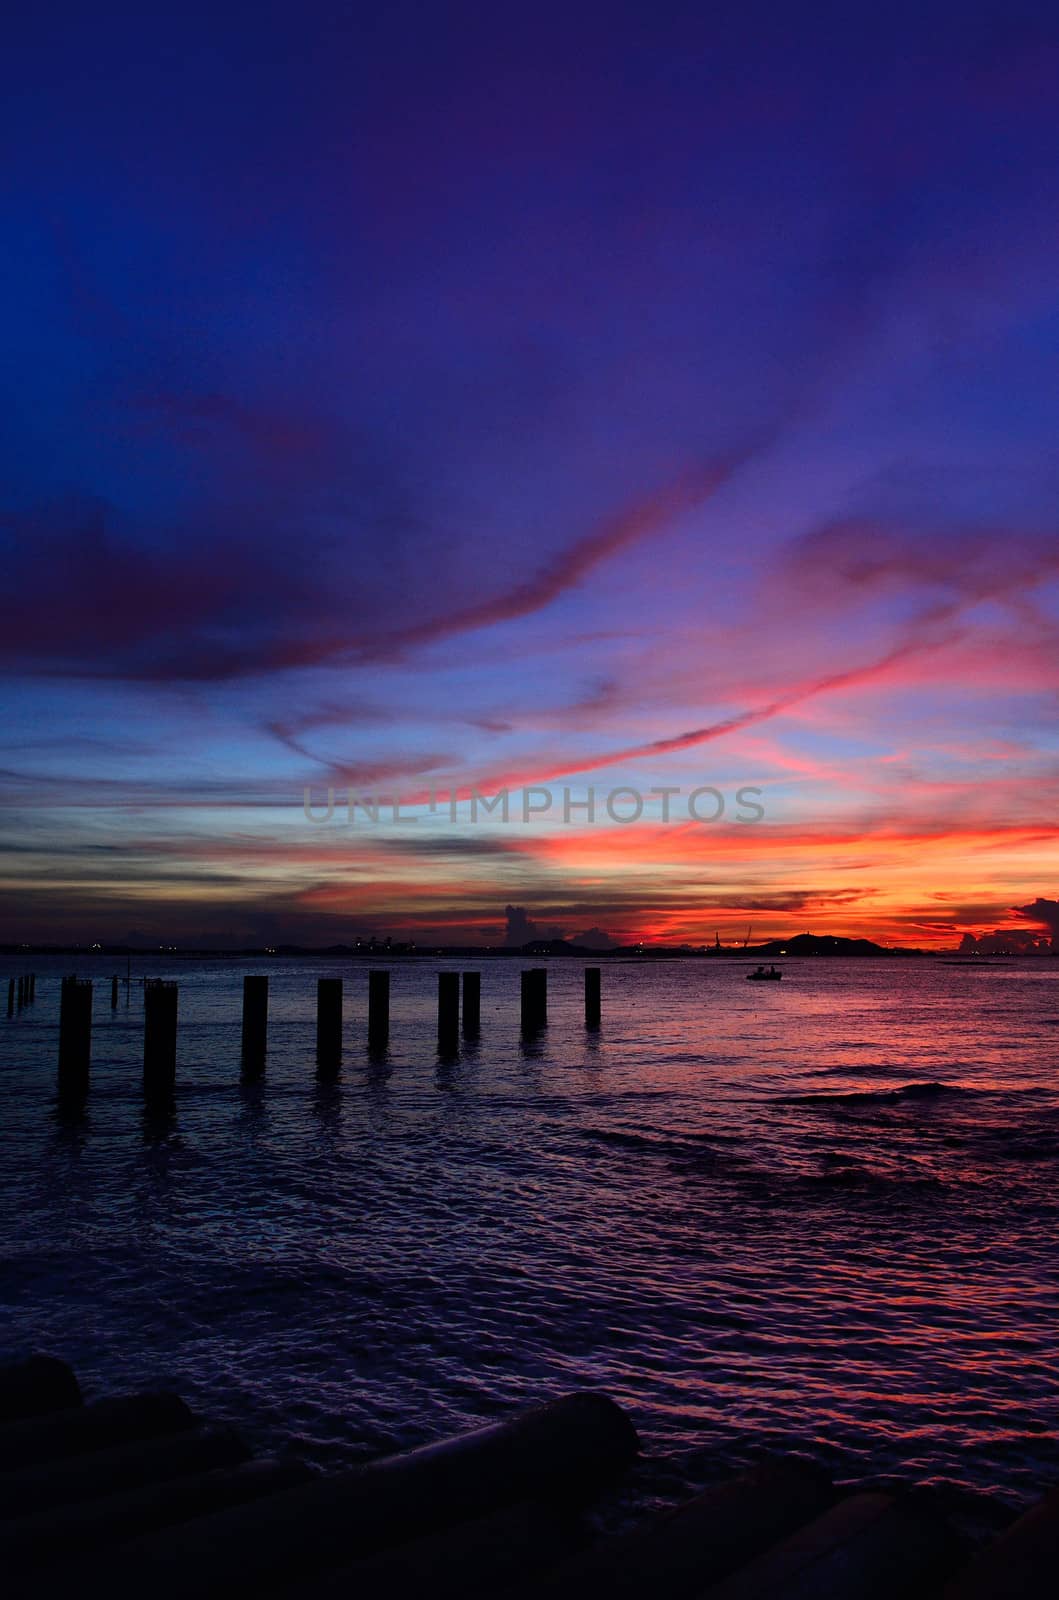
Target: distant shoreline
(801, 947)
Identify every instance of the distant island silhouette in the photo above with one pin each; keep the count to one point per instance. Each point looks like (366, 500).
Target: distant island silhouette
(801, 944)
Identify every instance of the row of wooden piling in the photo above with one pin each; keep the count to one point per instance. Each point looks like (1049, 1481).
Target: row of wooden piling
(160, 1000)
(21, 992)
(137, 1495)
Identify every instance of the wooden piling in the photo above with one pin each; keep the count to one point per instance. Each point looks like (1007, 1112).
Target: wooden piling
(592, 997)
(132, 1496)
(10, 997)
(75, 1034)
(1014, 1567)
(159, 1036)
(690, 1547)
(504, 1552)
(378, 1008)
(448, 1011)
(472, 1004)
(534, 999)
(562, 1451)
(35, 1386)
(870, 1545)
(21, 990)
(39, 1541)
(32, 987)
(255, 1024)
(526, 999)
(127, 1464)
(328, 1023)
(62, 1434)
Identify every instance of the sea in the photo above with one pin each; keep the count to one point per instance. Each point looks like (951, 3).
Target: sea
(818, 1216)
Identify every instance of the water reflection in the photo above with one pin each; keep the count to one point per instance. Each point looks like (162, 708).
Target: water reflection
(252, 1096)
(70, 1110)
(447, 1072)
(380, 1066)
(826, 1218)
(327, 1103)
(159, 1118)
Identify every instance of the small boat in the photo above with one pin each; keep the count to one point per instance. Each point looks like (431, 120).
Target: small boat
(764, 975)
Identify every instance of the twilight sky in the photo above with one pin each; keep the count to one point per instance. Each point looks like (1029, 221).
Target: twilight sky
(434, 396)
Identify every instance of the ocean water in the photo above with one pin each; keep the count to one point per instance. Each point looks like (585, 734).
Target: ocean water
(817, 1216)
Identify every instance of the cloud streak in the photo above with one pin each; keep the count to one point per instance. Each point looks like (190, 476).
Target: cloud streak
(86, 603)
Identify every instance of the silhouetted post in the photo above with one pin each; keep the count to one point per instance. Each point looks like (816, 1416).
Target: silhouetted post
(328, 1021)
(378, 1009)
(472, 1004)
(159, 1036)
(255, 1024)
(534, 999)
(10, 997)
(21, 991)
(541, 976)
(75, 1034)
(592, 1003)
(114, 992)
(32, 987)
(448, 1010)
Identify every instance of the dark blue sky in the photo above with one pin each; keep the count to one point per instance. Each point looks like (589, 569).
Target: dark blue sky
(449, 394)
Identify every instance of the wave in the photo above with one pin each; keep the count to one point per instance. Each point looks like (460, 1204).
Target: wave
(624, 1139)
(931, 1090)
(863, 1178)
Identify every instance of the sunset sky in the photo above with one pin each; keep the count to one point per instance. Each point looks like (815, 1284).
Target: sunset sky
(433, 396)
